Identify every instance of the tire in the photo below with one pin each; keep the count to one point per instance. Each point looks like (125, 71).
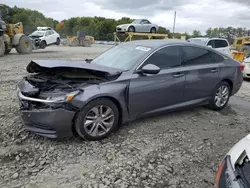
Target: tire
(24, 46)
(222, 89)
(153, 30)
(91, 110)
(131, 29)
(246, 48)
(2, 47)
(43, 45)
(7, 51)
(58, 41)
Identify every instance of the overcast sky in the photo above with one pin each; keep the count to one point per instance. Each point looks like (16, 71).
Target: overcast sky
(191, 14)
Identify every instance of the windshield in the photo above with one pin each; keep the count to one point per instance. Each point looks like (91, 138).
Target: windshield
(136, 21)
(122, 57)
(38, 33)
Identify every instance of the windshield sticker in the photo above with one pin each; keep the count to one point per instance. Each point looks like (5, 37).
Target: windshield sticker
(142, 48)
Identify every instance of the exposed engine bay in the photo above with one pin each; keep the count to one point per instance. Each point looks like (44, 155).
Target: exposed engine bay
(45, 85)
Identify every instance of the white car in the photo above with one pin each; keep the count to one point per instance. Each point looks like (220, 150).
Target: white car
(246, 71)
(45, 36)
(234, 170)
(139, 26)
(220, 44)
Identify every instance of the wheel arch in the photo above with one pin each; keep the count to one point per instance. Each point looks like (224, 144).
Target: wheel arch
(114, 100)
(230, 82)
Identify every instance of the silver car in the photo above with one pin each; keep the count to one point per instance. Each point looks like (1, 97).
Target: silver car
(139, 25)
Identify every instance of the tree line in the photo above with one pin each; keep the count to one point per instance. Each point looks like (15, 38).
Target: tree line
(99, 27)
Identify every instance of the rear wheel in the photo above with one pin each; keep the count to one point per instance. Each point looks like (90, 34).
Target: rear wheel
(97, 119)
(153, 30)
(220, 96)
(24, 46)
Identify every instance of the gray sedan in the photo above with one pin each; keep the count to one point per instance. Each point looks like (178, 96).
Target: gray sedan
(126, 82)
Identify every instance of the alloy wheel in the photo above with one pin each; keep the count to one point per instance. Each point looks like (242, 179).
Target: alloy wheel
(99, 120)
(221, 96)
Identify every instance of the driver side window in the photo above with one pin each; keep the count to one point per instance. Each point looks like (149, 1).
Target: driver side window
(166, 57)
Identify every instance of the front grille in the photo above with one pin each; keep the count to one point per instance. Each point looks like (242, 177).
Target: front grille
(248, 74)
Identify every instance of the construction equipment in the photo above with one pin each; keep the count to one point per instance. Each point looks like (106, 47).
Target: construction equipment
(130, 35)
(80, 40)
(12, 36)
(242, 44)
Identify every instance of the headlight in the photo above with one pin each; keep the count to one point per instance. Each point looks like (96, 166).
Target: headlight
(65, 98)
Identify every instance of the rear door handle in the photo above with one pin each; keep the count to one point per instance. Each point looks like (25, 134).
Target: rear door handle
(178, 75)
(214, 70)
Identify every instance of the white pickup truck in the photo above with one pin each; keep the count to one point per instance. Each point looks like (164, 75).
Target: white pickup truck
(220, 44)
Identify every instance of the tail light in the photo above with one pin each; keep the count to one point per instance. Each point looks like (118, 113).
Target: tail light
(218, 175)
(242, 66)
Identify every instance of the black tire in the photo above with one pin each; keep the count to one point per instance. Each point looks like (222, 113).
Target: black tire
(43, 45)
(24, 46)
(81, 117)
(153, 30)
(7, 51)
(246, 48)
(2, 46)
(58, 41)
(131, 29)
(212, 102)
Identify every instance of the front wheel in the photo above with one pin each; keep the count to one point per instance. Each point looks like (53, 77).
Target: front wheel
(2, 47)
(58, 41)
(220, 96)
(97, 119)
(24, 46)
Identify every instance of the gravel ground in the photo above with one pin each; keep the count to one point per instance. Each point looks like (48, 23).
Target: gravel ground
(180, 149)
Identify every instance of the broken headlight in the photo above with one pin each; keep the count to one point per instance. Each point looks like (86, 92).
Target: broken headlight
(64, 98)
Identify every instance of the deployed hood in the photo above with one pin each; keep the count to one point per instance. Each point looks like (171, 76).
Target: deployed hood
(54, 66)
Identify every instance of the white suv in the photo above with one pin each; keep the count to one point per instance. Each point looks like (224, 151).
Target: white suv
(45, 36)
(220, 44)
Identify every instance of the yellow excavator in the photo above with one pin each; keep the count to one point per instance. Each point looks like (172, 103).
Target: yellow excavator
(12, 36)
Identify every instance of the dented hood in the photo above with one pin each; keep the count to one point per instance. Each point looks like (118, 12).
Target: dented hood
(39, 66)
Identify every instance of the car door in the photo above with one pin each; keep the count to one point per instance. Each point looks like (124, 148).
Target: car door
(202, 69)
(153, 92)
(146, 26)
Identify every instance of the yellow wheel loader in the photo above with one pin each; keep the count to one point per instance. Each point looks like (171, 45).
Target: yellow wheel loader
(12, 36)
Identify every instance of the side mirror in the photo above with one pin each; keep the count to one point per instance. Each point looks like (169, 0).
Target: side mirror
(150, 69)
(209, 46)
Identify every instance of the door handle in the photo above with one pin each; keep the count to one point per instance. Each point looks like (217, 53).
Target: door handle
(178, 75)
(214, 70)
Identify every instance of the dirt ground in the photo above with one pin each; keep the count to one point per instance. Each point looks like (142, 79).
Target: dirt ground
(180, 149)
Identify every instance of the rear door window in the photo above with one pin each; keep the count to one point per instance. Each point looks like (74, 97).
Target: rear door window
(196, 56)
(221, 44)
(166, 57)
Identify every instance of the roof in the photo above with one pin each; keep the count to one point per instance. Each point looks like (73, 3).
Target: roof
(156, 43)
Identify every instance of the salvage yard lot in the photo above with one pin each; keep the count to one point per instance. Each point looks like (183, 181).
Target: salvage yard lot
(180, 149)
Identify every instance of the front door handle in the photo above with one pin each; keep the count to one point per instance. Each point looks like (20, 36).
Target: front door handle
(214, 70)
(178, 75)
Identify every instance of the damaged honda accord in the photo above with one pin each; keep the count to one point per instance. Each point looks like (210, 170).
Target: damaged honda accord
(92, 98)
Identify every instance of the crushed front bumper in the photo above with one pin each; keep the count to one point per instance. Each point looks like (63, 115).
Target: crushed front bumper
(46, 117)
